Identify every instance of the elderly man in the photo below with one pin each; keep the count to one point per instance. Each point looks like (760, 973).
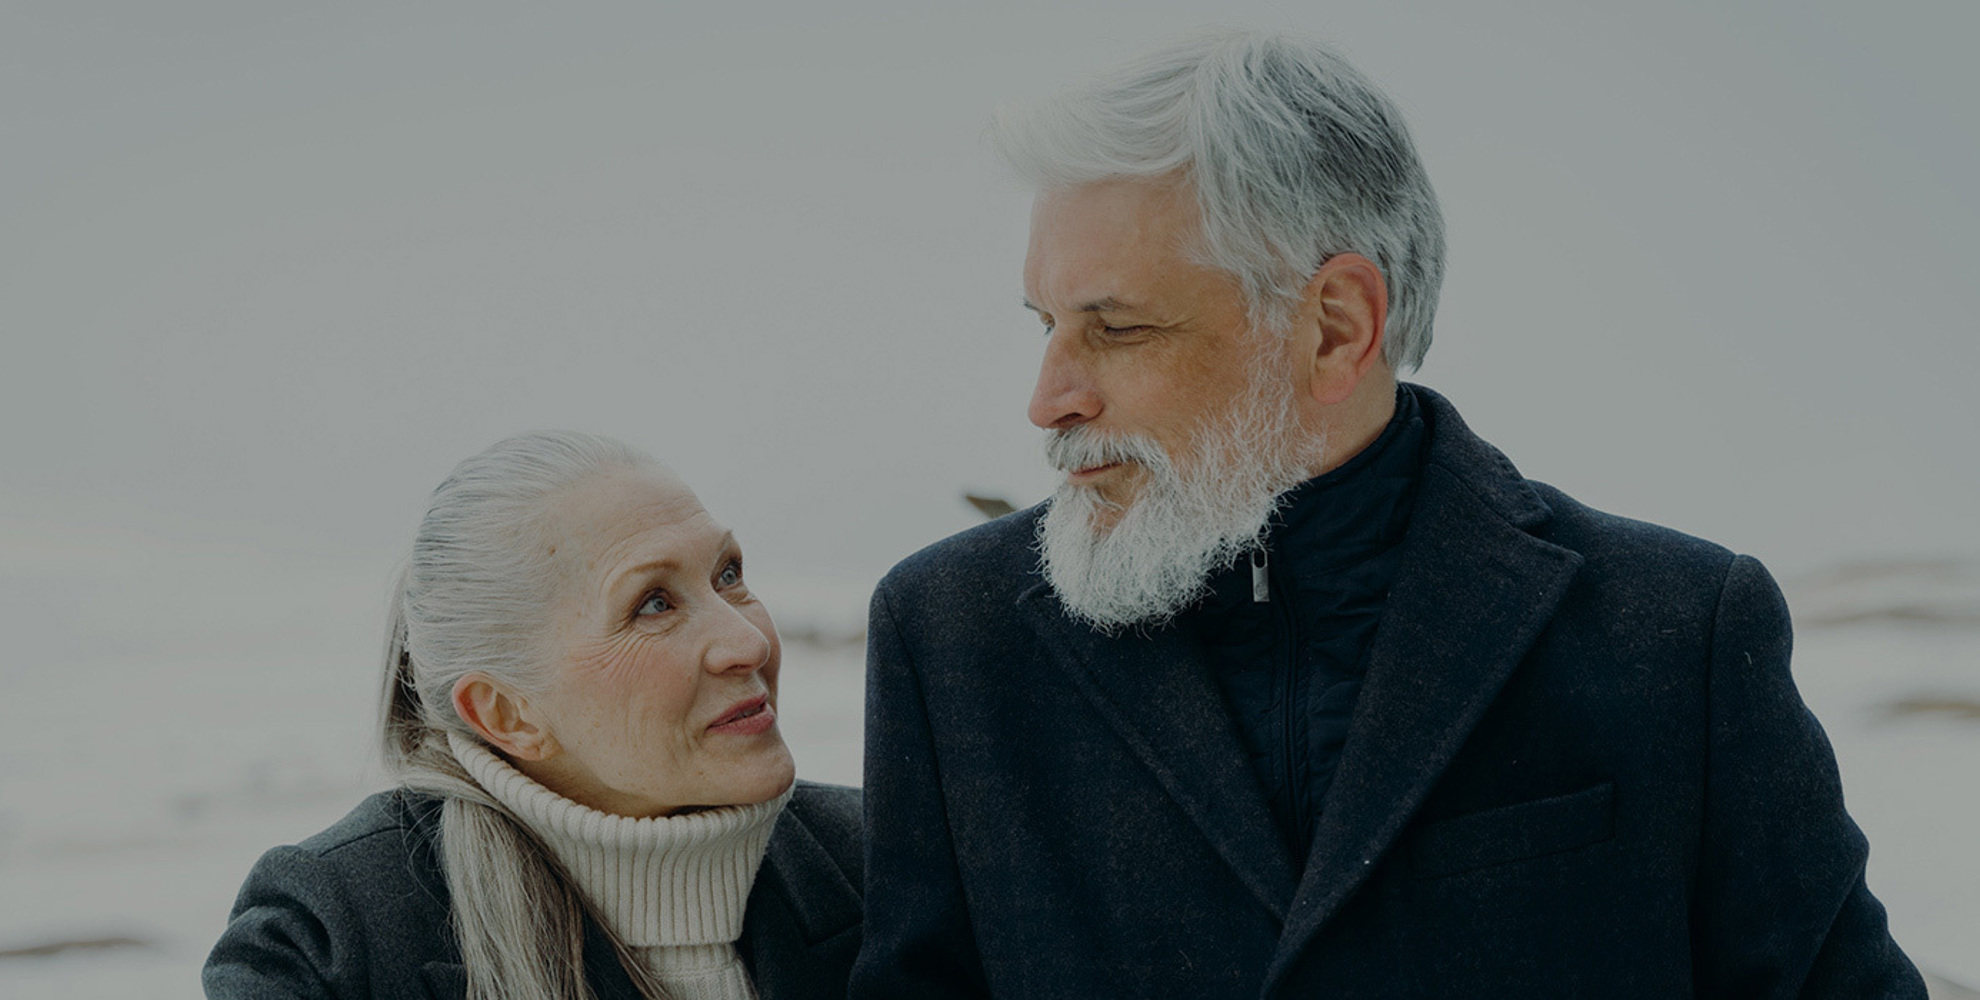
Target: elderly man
(1295, 687)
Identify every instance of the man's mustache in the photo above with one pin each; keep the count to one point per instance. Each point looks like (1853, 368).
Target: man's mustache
(1075, 448)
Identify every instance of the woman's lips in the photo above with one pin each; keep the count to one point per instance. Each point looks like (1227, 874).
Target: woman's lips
(746, 718)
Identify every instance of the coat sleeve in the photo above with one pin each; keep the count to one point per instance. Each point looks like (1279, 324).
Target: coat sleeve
(918, 938)
(1781, 908)
(292, 934)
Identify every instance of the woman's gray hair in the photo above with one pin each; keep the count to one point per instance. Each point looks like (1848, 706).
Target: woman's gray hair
(476, 596)
(1294, 155)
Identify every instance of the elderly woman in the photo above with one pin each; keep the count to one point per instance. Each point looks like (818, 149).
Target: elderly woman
(580, 707)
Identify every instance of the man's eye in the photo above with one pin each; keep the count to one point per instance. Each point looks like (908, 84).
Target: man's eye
(654, 604)
(1123, 331)
(731, 575)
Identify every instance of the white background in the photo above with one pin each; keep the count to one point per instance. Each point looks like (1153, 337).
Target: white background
(268, 270)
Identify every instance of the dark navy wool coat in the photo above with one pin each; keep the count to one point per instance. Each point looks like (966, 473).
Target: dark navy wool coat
(1577, 768)
(360, 910)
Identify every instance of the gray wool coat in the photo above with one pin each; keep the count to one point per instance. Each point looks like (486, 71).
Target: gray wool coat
(360, 910)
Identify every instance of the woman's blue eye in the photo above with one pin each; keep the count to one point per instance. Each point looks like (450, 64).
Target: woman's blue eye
(654, 604)
(731, 575)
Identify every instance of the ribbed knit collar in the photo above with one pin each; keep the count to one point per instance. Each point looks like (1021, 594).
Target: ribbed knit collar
(662, 880)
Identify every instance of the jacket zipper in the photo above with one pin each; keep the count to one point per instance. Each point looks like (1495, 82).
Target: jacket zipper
(1261, 593)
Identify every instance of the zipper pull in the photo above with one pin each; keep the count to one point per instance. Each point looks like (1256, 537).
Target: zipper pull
(1261, 584)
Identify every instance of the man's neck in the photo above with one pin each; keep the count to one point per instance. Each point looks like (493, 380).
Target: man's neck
(1353, 424)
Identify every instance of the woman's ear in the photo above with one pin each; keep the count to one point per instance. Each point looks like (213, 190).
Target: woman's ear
(504, 718)
(1346, 304)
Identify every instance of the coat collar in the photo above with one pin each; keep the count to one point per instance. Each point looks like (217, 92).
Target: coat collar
(801, 910)
(1473, 592)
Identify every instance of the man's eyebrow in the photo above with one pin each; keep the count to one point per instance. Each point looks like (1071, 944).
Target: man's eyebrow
(1108, 304)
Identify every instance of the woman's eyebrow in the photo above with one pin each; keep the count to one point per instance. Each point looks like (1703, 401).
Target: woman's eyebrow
(650, 567)
(640, 571)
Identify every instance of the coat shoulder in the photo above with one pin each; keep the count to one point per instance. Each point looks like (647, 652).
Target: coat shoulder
(386, 851)
(382, 859)
(1606, 542)
(1651, 548)
(319, 917)
(1641, 578)
(394, 815)
(991, 561)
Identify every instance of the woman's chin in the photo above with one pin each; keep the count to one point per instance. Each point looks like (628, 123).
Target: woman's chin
(774, 773)
(760, 777)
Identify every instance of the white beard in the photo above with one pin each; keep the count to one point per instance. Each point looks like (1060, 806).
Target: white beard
(1183, 524)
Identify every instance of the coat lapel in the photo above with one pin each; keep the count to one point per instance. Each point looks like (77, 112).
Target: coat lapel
(607, 976)
(1474, 591)
(801, 928)
(1157, 694)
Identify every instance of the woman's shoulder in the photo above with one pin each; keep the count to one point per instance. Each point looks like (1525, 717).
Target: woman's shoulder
(384, 847)
(386, 818)
(317, 918)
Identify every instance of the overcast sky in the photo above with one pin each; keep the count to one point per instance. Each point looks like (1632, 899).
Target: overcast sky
(268, 270)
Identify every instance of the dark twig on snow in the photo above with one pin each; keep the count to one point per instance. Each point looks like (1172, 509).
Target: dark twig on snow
(45, 949)
(990, 507)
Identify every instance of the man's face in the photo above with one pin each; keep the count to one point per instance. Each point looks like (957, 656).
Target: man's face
(1177, 426)
(1143, 341)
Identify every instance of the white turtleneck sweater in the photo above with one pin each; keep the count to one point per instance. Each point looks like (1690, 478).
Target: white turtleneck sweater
(673, 888)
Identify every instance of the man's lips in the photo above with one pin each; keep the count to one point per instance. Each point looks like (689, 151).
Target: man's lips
(1091, 472)
(746, 718)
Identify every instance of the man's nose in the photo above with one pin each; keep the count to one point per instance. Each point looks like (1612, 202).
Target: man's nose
(1065, 395)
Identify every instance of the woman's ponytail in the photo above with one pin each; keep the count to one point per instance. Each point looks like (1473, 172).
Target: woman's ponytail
(402, 724)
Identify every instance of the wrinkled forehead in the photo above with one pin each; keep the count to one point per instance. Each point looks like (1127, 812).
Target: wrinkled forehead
(637, 512)
(1105, 233)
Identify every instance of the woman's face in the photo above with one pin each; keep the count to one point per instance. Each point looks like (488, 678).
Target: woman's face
(663, 690)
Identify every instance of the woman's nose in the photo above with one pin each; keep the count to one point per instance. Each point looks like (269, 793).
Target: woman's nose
(738, 644)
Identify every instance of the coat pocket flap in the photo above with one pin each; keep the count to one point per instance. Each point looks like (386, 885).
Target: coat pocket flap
(1515, 832)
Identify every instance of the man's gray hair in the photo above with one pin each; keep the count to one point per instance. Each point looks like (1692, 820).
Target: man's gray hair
(1294, 155)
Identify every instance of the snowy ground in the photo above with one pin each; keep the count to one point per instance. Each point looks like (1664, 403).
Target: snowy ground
(140, 787)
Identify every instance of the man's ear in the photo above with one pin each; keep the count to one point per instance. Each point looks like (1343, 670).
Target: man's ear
(1344, 308)
(504, 718)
